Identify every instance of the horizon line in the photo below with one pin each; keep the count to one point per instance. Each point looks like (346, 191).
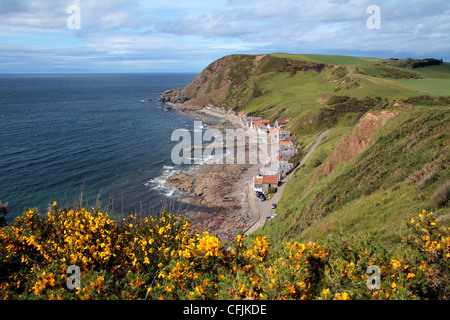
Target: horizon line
(93, 73)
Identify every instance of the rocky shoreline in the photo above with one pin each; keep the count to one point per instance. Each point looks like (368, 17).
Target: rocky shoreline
(224, 188)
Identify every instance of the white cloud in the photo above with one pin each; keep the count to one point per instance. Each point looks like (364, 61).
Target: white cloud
(127, 33)
(242, 46)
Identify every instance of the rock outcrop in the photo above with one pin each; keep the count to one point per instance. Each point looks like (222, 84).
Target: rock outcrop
(174, 96)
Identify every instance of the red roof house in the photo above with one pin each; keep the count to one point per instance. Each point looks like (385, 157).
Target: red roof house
(273, 180)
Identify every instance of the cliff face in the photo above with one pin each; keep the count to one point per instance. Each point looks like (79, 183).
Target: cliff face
(353, 143)
(231, 80)
(212, 86)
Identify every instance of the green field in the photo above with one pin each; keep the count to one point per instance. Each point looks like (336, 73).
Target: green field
(332, 59)
(435, 79)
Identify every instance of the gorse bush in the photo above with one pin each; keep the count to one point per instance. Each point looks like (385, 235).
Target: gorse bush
(161, 258)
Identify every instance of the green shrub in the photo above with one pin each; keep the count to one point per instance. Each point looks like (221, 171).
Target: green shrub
(272, 190)
(162, 259)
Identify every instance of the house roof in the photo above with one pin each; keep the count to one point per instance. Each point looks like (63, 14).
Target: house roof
(287, 143)
(256, 123)
(270, 179)
(265, 121)
(258, 180)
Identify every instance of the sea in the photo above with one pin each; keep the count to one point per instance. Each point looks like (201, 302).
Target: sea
(89, 139)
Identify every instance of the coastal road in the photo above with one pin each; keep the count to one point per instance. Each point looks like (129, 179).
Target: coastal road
(264, 208)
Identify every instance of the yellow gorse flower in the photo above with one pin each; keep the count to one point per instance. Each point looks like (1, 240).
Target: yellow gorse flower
(209, 246)
(160, 258)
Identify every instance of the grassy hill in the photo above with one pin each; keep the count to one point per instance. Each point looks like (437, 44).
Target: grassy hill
(355, 203)
(385, 157)
(402, 169)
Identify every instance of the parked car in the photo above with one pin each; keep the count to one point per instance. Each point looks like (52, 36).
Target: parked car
(274, 205)
(268, 218)
(262, 198)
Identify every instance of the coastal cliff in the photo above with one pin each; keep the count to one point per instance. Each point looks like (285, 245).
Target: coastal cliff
(371, 157)
(372, 196)
(233, 80)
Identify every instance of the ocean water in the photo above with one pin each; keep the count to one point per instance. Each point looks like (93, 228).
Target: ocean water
(66, 137)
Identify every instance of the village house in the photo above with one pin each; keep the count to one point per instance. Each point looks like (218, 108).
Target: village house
(270, 174)
(280, 134)
(270, 182)
(263, 183)
(251, 120)
(257, 184)
(287, 150)
(265, 126)
(270, 170)
(284, 134)
(256, 125)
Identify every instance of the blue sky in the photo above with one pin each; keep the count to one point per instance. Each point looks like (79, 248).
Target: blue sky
(185, 36)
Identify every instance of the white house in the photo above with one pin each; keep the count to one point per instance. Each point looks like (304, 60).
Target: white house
(257, 184)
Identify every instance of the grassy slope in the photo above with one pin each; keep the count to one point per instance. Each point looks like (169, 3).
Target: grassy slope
(377, 200)
(333, 59)
(375, 191)
(435, 79)
(300, 94)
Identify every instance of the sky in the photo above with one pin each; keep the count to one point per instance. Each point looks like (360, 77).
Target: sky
(127, 36)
